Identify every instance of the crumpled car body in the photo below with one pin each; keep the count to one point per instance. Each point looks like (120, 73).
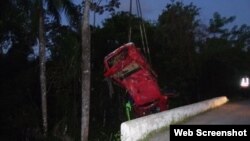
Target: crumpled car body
(128, 68)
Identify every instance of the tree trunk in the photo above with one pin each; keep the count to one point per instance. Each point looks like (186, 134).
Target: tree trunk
(42, 63)
(85, 64)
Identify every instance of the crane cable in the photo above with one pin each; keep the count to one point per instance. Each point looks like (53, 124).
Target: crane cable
(144, 39)
(130, 18)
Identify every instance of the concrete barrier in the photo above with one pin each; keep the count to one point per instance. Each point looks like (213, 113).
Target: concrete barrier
(139, 128)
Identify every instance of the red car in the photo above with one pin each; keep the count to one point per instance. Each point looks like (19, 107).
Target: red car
(129, 69)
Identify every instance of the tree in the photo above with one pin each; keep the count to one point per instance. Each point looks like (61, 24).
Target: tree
(53, 9)
(175, 39)
(86, 71)
(223, 57)
(217, 24)
(86, 60)
(42, 64)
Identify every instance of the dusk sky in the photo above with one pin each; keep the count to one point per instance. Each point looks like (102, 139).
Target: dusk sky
(151, 9)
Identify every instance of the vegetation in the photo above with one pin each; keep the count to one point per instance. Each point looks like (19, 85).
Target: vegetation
(198, 61)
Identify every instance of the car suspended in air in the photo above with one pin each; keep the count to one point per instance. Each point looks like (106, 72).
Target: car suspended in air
(127, 67)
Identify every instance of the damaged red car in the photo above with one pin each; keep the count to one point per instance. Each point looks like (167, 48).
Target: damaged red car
(129, 69)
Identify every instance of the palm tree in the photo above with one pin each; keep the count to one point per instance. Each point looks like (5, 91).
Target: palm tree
(85, 64)
(53, 8)
(42, 61)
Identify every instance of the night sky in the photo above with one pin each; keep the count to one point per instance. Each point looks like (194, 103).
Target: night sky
(151, 9)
